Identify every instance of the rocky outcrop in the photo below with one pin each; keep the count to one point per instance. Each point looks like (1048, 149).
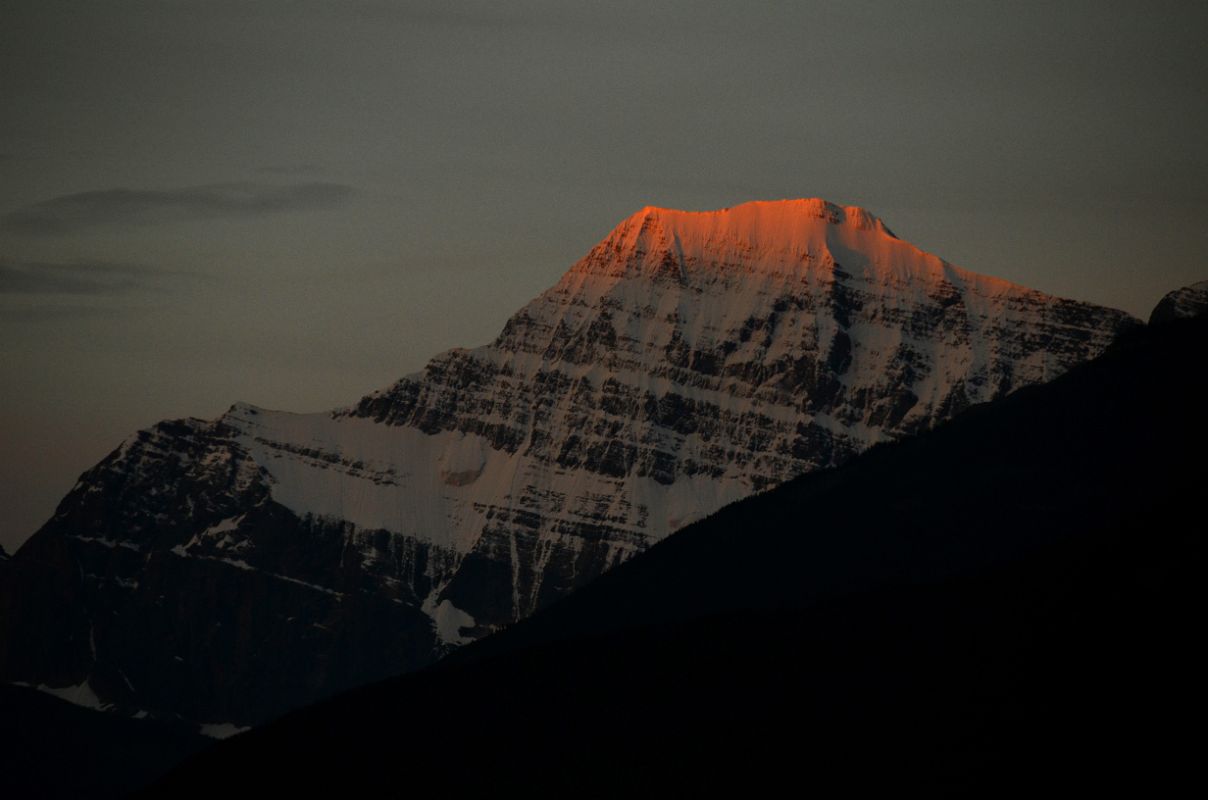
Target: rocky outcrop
(228, 570)
(1190, 301)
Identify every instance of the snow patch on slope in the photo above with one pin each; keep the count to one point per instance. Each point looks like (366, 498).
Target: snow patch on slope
(448, 620)
(221, 730)
(81, 694)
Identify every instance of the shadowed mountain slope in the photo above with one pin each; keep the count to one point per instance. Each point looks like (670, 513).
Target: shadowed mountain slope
(51, 748)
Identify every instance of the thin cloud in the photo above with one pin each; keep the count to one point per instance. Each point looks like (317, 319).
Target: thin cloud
(20, 315)
(122, 207)
(75, 278)
(290, 169)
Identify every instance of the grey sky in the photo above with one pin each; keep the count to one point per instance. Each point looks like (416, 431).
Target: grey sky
(294, 203)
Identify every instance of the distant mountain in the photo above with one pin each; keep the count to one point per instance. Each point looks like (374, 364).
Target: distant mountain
(1190, 301)
(225, 571)
(1008, 604)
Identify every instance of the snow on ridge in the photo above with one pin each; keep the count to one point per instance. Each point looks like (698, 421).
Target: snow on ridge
(796, 234)
(779, 210)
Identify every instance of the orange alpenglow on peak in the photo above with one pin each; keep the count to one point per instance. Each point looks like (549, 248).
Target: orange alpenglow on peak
(764, 227)
(769, 235)
(773, 218)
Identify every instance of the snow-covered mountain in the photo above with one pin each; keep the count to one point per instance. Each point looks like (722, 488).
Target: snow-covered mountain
(227, 570)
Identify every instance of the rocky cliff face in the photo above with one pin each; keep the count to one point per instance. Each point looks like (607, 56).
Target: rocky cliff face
(228, 570)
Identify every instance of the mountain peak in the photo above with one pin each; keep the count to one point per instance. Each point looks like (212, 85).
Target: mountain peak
(1190, 301)
(804, 237)
(773, 218)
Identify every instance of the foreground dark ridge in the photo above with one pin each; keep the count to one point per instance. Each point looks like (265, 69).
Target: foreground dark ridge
(51, 748)
(1010, 602)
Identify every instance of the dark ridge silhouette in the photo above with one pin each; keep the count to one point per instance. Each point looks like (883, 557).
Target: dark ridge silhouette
(1009, 603)
(52, 748)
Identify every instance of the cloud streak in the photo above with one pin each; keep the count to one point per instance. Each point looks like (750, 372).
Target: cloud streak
(296, 170)
(90, 278)
(125, 207)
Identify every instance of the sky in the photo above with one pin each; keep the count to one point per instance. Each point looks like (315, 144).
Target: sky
(295, 203)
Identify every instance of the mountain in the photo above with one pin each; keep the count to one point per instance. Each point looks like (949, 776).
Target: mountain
(225, 571)
(1190, 301)
(1006, 604)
